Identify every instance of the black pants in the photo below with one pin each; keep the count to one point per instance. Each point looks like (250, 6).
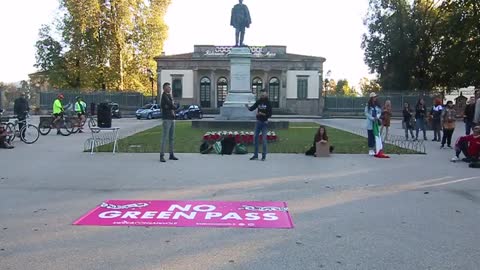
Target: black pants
(447, 136)
(21, 118)
(463, 148)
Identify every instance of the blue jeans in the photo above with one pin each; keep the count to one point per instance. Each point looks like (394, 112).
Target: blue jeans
(371, 139)
(261, 127)
(420, 125)
(468, 127)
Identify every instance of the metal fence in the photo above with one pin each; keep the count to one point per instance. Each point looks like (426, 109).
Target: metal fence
(356, 105)
(128, 101)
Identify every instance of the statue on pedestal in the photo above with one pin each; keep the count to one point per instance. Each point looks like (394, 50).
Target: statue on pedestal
(240, 20)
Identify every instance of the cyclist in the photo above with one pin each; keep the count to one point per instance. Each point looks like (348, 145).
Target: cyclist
(58, 111)
(80, 109)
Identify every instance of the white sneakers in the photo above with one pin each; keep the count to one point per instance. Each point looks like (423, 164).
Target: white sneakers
(455, 159)
(371, 153)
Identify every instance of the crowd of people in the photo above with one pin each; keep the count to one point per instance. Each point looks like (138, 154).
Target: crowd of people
(442, 119)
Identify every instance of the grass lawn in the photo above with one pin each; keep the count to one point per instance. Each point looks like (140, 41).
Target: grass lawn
(297, 139)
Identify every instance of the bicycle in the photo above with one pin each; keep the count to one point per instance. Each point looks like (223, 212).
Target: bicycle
(29, 133)
(77, 124)
(63, 126)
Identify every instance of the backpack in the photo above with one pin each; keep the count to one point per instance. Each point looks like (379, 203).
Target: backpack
(241, 149)
(218, 147)
(228, 144)
(206, 148)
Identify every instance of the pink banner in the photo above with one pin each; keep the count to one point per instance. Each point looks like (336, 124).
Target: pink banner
(189, 214)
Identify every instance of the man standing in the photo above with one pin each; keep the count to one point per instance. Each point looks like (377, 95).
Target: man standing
(476, 118)
(240, 20)
(168, 116)
(264, 111)
(58, 111)
(21, 108)
(468, 115)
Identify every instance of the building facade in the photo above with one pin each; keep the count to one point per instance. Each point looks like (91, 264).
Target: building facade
(294, 82)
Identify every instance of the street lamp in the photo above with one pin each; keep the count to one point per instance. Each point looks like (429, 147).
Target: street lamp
(152, 79)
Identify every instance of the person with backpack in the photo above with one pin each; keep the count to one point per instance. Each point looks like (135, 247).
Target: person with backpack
(80, 109)
(264, 112)
(436, 116)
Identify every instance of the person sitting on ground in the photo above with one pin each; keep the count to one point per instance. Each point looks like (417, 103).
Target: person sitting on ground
(470, 146)
(322, 137)
(3, 136)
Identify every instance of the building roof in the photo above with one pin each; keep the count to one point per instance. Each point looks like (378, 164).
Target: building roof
(211, 52)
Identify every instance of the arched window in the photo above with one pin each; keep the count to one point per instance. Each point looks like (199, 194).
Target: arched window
(222, 91)
(257, 86)
(274, 92)
(205, 90)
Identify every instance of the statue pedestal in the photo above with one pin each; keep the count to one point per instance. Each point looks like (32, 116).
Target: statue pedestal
(240, 89)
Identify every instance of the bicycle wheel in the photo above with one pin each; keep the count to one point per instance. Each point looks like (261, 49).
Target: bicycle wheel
(74, 125)
(65, 127)
(44, 127)
(29, 134)
(10, 127)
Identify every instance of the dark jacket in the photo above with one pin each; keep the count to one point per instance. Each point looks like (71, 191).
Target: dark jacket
(469, 112)
(263, 106)
(20, 106)
(167, 106)
(420, 111)
(407, 118)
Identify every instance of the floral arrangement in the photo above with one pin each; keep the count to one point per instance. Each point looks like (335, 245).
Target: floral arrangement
(240, 137)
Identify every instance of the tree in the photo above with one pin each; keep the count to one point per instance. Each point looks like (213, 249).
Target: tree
(459, 50)
(330, 86)
(401, 45)
(110, 42)
(368, 86)
(343, 88)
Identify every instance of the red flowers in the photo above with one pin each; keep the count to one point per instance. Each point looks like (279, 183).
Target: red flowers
(240, 137)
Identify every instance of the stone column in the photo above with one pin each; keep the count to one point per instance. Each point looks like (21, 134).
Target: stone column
(283, 89)
(213, 89)
(240, 89)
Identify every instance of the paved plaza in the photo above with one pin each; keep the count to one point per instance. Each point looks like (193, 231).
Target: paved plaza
(350, 211)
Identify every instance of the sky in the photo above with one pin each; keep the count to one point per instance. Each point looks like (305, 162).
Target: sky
(328, 28)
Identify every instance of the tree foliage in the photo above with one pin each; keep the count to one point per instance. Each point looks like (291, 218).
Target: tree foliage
(368, 86)
(423, 44)
(109, 42)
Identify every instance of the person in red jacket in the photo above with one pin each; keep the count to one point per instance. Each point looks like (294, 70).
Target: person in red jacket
(469, 146)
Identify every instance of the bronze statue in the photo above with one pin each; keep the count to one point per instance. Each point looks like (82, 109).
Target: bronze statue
(240, 20)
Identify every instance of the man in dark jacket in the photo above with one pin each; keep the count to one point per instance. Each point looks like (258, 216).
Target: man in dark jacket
(264, 111)
(168, 116)
(21, 108)
(468, 115)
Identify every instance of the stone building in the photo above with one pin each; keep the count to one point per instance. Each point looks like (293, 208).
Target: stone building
(294, 82)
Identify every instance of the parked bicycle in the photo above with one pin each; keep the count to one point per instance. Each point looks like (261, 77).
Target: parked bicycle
(29, 133)
(64, 126)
